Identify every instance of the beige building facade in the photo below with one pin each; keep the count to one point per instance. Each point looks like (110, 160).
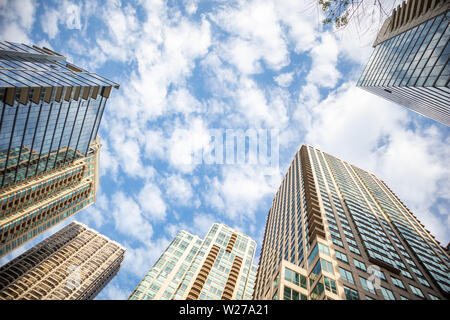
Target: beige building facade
(73, 264)
(335, 231)
(219, 267)
(31, 207)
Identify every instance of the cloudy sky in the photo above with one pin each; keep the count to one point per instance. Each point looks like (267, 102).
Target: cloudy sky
(188, 68)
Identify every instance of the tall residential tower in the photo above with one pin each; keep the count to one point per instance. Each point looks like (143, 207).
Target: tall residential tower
(410, 64)
(335, 231)
(73, 264)
(220, 267)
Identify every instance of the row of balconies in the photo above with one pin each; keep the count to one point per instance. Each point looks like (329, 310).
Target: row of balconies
(30, 198)
(49, 212)
(197, 286)
(232, 279)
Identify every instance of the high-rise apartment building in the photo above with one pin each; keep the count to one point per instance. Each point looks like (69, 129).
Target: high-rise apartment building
(335, 231)
(49, 118)
(73, 264)
(31, 207)
(220, 267)
(410, 64)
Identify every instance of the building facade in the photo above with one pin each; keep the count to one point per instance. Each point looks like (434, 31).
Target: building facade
(220, 267)
(31, 207)
(73, 264)
(50, 113)
(410, 64)
(335, 231)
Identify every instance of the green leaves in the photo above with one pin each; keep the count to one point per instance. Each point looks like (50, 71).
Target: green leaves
(336, 11)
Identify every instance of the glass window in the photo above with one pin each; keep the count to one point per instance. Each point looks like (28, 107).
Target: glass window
(398, 282)
(324, 249)
(330, 285)
(423, 281)
(367, 285)
(341, 256)
(290, 294)
(416, 291)
(433, 297)
(387, 294)
(379, 274)
(346, 275)
(292, 276)
(360, 265)
(317, 291)
(327, 266)
(313, 254)
(351, 294)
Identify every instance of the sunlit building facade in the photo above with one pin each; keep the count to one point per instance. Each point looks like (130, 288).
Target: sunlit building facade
(335, 231)
(220, 267)
(410, 64)
(75, 263)
(31, 207)
(50, 113)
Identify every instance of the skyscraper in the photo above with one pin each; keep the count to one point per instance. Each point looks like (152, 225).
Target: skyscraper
(335, 231)
(410, 64)
(220, 267)
(49, 118)
(50, 111)
(73, 264)
(31, 207)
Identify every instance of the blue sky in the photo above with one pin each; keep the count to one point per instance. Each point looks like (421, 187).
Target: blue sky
(187, 68)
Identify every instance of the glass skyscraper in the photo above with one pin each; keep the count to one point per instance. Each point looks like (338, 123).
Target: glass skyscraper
(50, 111)
(335, 231)
(410, 64)
(220, 267)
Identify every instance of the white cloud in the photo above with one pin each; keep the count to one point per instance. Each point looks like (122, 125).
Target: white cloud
(301, 23)
(324, 62)
(256, 35)
(419, 183)
(284, 79)
(128, 218)
(113, 292)
(67, 13)
(93, 215)
(349, 110)
(73, 12)
(191, 6)
(179, 190)
(182, 101)
(241, 191)
(155, 144)
(202, 223)
(152, 203)
(139, 260)
(16, 20)
(184, 142)
(108, 162)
